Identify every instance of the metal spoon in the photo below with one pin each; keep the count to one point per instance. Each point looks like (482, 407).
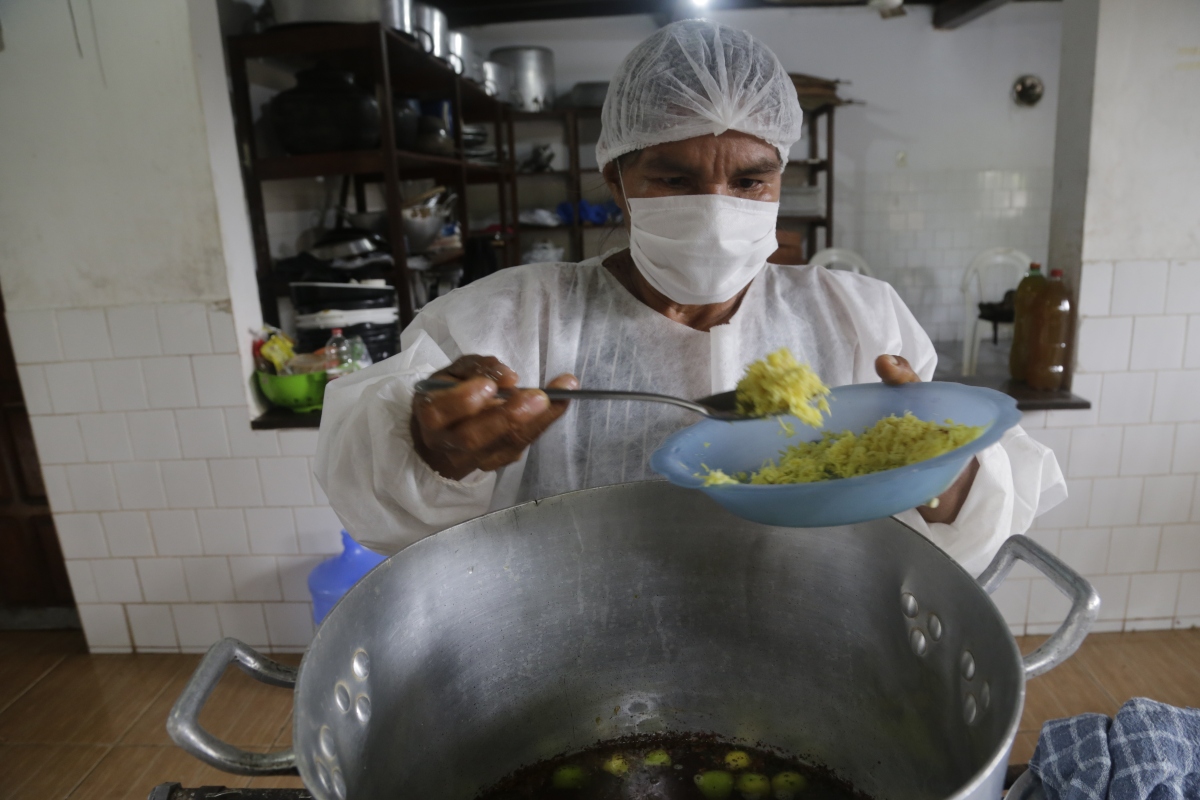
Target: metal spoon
(721, 406)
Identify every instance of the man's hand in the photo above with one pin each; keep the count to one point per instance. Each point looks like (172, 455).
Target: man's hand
(459, 430)
(895, 370)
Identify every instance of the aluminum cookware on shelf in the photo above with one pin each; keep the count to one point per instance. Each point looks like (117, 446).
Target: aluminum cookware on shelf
(644, 607)
(431, 30)
(398, 14)
(498, 81)
(289, 11)
(462, 55)
(533, 75)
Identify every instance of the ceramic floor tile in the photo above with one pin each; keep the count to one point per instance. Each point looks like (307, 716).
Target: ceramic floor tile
(64, 643)
(241, 710)
(1067, 690)
(1023, 747)
(129, 772)
(1148, 664)
(284, 739)
(87, 699)
(1186, 644)
(45, 771)
(151, 727)
(27, 656)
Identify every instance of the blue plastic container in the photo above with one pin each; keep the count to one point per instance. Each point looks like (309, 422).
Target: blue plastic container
(744, 446)
(333, 577)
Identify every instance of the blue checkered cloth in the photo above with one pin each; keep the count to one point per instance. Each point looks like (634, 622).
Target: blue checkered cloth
(1149, 751)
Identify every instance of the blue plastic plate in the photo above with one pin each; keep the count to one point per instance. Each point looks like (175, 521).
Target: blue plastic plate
(744, 446)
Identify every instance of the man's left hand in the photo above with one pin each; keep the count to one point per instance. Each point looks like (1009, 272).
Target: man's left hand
(895, 370)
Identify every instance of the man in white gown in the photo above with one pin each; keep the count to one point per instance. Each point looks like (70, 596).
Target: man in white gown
(695, 134)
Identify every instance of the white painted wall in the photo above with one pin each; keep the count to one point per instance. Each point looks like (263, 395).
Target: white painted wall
(103, 133)
(976, 167)
(942, 96)
(1132, 521)
(124, 247)
(1145, 160)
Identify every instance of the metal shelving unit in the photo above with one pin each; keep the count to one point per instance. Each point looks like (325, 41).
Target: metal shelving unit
(390, 64)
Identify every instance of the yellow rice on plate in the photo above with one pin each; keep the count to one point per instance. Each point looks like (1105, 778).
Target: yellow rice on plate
(890, 443)
(779, 385)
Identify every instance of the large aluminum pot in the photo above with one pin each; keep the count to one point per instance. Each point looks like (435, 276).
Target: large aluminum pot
(398, 14)
(498, 81)
(638, 608)
(290, 11)
(431, 30)
(463, 57)
(533, 73)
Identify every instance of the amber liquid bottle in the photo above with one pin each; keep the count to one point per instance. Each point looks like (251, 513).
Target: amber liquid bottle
(1027, 291)
(1050, 335)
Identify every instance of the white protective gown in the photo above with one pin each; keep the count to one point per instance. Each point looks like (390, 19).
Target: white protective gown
(544, 320)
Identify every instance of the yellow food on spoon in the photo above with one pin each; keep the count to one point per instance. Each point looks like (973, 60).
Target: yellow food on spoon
(890, 443)
(778, 384)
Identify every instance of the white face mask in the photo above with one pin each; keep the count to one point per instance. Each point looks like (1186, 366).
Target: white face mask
(701, 248)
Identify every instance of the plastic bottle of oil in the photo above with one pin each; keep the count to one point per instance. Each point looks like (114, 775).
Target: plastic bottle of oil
(1049, 335)
(1027, 290)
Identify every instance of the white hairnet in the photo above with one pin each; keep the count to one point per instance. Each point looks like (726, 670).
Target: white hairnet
(696, 77)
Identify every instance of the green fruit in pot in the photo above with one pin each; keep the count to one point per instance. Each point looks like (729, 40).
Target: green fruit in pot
(616, 765)
(715, 784)
(753, 786)
(569, 777)
(737, 759)
(658, 758)
(788, 784)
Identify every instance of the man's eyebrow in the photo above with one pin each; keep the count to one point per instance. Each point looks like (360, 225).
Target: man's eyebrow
(667, 164)
(759, 167)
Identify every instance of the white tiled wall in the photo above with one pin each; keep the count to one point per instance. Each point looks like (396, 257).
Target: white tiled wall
(919, 229)
(1132, 522)
(178, 523)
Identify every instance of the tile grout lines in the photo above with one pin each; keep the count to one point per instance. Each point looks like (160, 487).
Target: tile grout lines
(33, 683)
(113, 746)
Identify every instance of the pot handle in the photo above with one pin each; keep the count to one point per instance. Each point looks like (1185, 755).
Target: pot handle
(1085, 603)
(422, 35)
(183, 723)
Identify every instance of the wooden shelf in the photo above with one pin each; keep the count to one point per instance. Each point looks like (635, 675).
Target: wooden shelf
(807, 219)
(1027, 399)
(361, 162)
(282, 418)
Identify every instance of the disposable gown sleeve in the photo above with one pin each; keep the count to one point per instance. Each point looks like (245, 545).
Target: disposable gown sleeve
(1018, 478)
(383, 492)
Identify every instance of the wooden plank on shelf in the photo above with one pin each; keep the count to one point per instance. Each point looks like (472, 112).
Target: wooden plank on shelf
(298, 40)
(951, 14)
(365, 162)
(1027, 399)
(351, 162)
(282, 418)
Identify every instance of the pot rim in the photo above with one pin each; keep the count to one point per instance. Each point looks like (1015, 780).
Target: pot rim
(997, 760)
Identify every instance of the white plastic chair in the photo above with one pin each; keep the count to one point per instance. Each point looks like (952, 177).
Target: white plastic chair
(989, 275)
(840, 258)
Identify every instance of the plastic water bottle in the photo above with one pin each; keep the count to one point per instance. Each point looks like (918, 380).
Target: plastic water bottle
(339, 358)
(333, 577)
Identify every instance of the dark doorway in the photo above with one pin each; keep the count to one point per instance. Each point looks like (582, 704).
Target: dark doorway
(34, 590)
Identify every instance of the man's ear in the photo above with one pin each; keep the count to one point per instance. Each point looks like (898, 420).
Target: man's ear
(612, 179)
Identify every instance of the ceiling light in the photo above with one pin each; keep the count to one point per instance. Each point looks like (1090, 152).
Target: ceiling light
(700, 3)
